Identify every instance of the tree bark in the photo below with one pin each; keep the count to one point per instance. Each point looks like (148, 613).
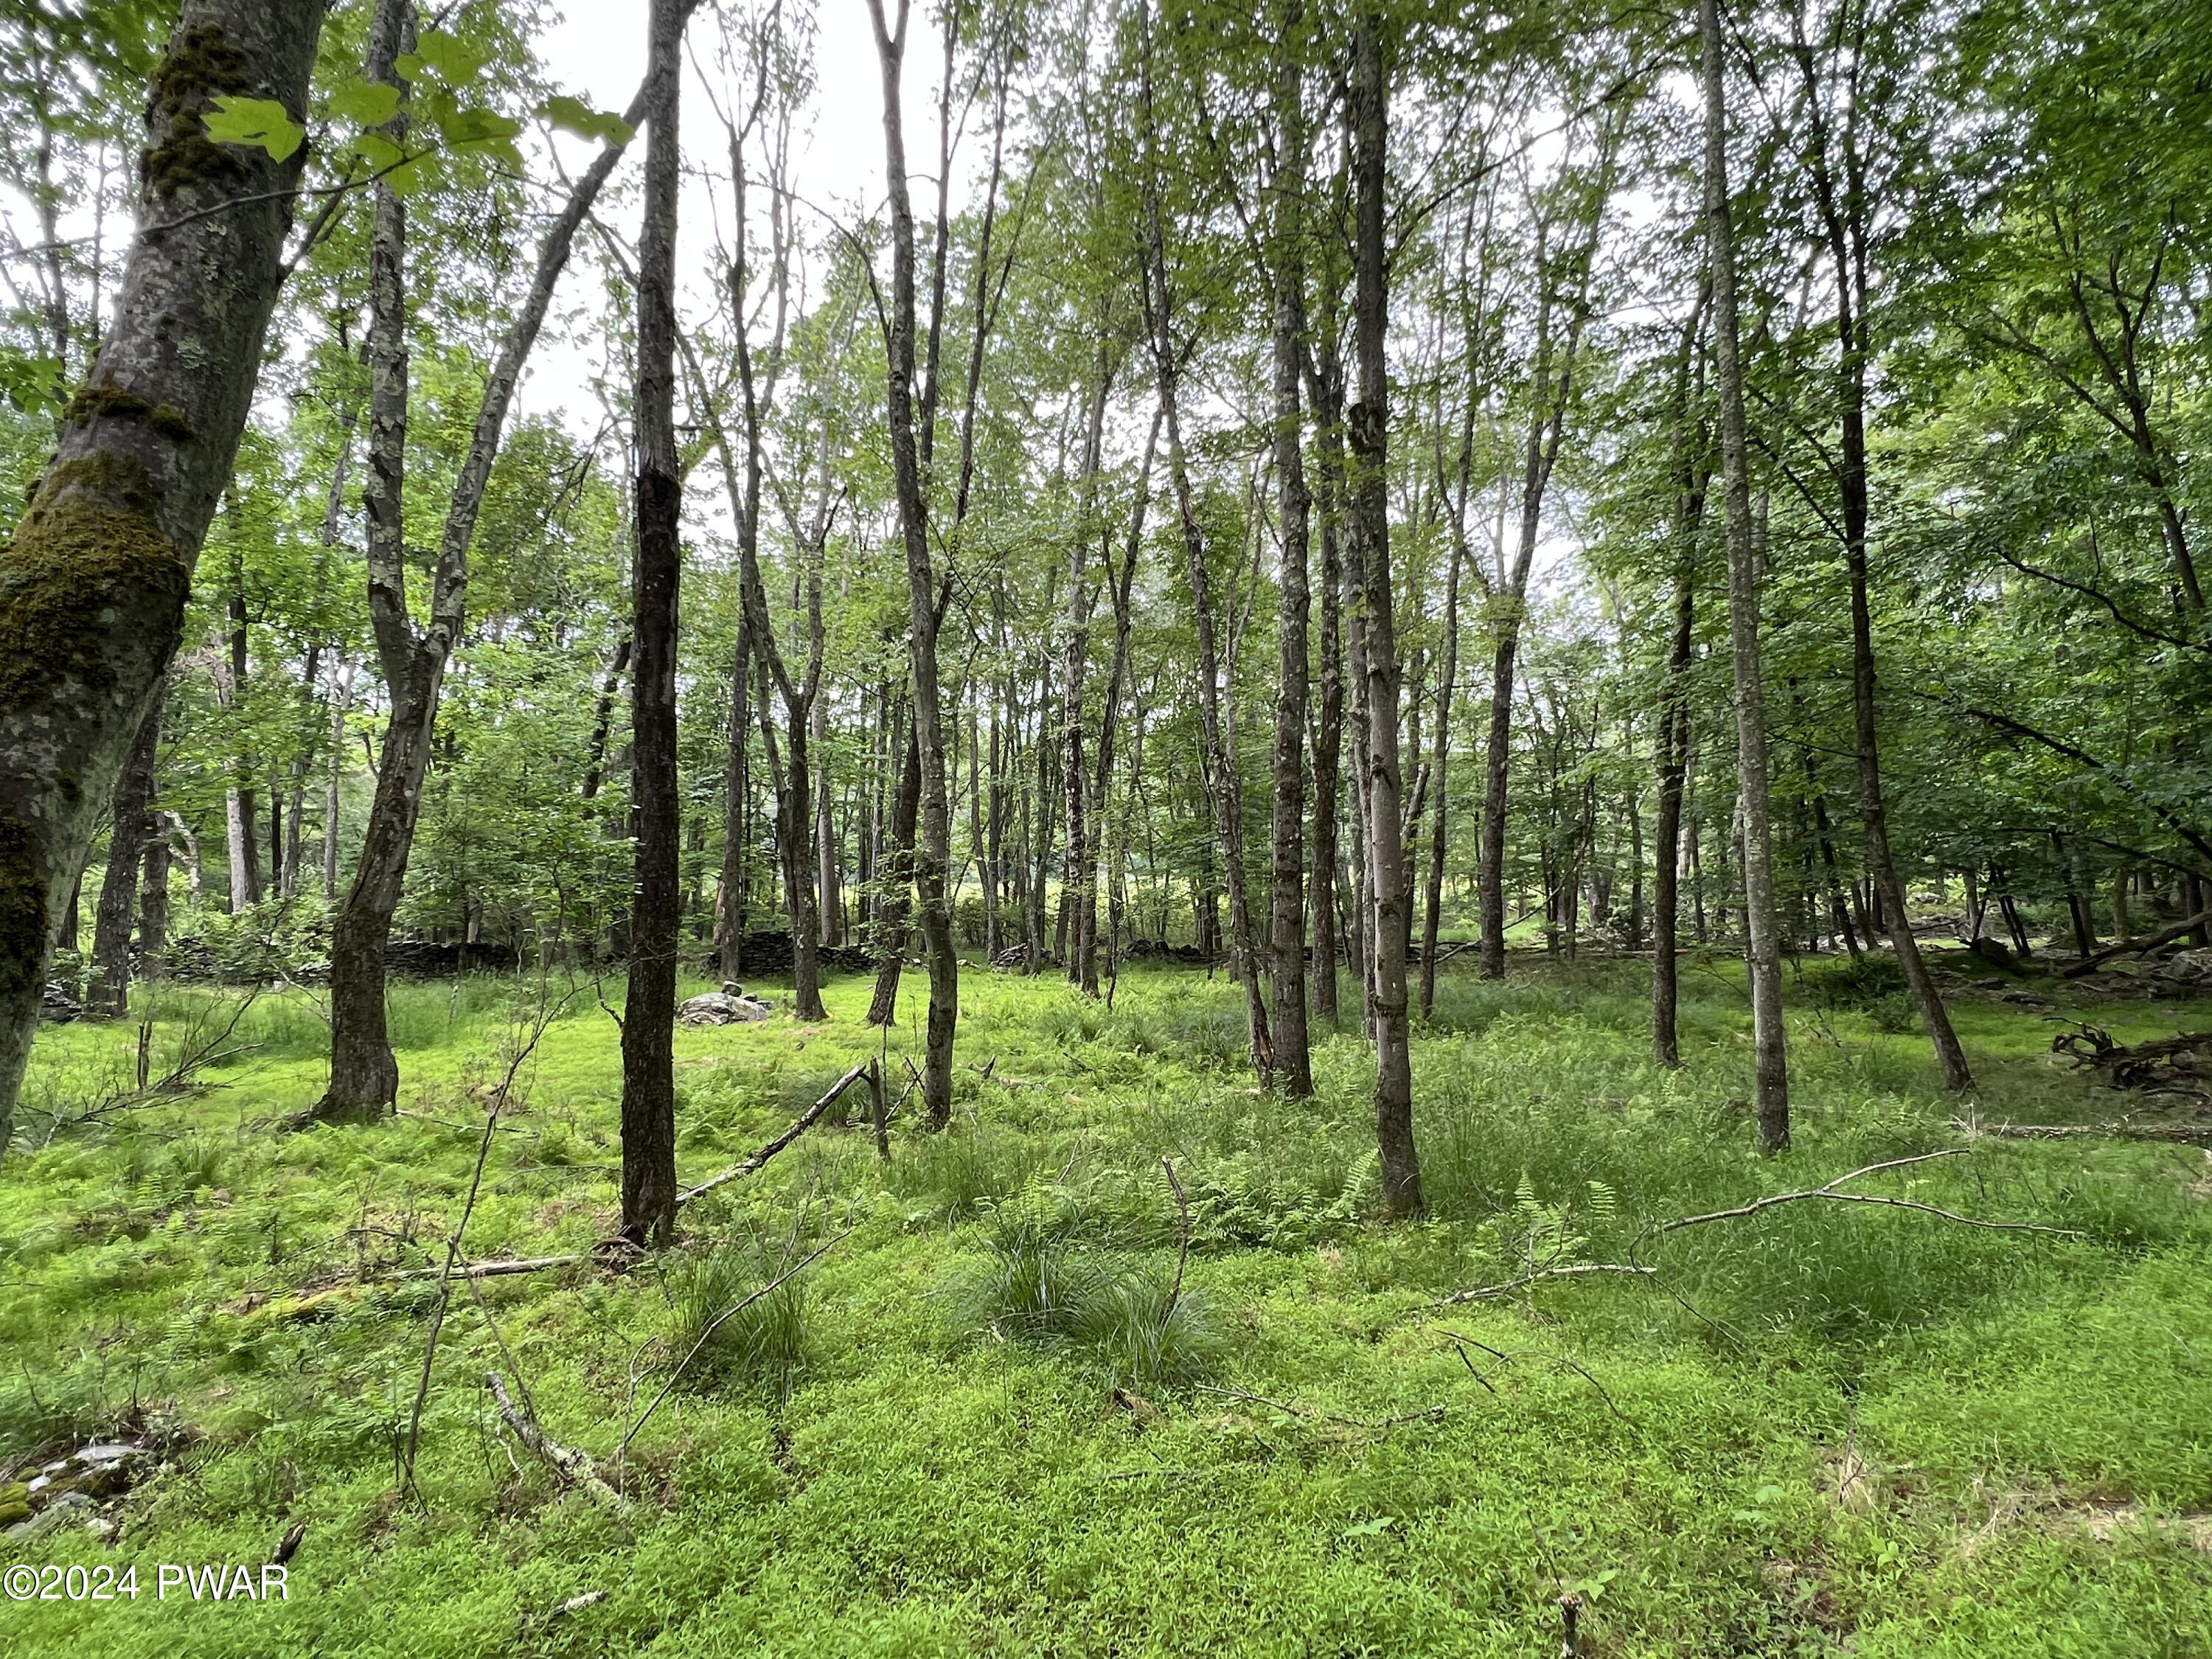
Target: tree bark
(648, 1097)
(94, 582)
(1287, 934)
(133, 828)
(1761, 947)
(1370, 526)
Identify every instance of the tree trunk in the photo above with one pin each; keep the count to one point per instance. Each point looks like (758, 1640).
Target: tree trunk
(731, 909)
(1370, 525)
(1846, 220)
(1440, 779)
(933, 849)
(339, 705)
(1692, 478)
(364, 1076)
(154, 900)
(648, 1097)
(1287, 932)
(1223, 788)
(118, 895)
(94, 582)
(1761, 949)
(1328, 726)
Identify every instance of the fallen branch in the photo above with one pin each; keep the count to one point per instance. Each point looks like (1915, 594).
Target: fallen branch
(576, 1604)
(805, 1122)
(572, 1465)
(2129, 947)
(1482, 1292)
(494, 1269)
(2185, 1134)
(1828, 1192)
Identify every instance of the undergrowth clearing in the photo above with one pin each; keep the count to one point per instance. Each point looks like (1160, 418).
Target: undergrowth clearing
(1028, 1403)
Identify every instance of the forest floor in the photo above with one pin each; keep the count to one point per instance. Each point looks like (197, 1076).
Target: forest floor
(985, 1421)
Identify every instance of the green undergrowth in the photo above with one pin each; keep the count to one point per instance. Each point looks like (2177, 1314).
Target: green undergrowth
(1029, 1401)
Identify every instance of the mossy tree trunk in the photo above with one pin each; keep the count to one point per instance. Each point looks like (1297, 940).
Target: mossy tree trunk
(94, 584)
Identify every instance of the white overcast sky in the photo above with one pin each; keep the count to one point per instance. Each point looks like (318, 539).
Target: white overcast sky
(597, 51)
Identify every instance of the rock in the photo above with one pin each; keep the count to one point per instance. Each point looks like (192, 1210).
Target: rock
(57, 1006)
(102, 1528)
(53, 1515)
(721, 1008)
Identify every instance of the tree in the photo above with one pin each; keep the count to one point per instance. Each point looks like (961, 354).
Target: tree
(1368, 423)
(364, 1076)
(1761, 947)
(94, 581)
(648, 1098)
(933, 848)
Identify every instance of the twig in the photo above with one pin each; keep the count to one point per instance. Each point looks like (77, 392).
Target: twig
(1828, 1192)
(737, 1171)
(1482, 1292)
(577, 1604)
(1507, 1356)
(498, 1098)
(573, 1465)
(708, 1334)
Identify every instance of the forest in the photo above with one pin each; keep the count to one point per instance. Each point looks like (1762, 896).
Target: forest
(1337, 827)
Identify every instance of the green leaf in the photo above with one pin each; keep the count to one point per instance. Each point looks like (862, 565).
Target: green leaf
(378, 151)
(255, 121)
(32, 384)
(574, 115)
(442, 55)
(472, 128)
(364, 103)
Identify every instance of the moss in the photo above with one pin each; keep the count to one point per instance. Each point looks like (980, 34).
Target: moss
(72, 560)
(117, 403)
(201, 64)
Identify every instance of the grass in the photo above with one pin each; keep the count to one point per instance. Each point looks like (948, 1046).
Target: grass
(1827, 1428)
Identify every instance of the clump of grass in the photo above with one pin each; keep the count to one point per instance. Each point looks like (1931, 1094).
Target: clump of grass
(1145, 1334)
(962, 1171)
(1043, 1285)
(742, 1337)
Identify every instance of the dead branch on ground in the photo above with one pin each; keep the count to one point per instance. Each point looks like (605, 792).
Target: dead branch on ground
(804, 1121)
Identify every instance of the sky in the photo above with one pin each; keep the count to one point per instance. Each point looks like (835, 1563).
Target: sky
(597, 52)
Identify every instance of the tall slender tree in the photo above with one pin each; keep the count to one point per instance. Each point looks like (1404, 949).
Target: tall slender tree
(649, 1096)
(1762, 945)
